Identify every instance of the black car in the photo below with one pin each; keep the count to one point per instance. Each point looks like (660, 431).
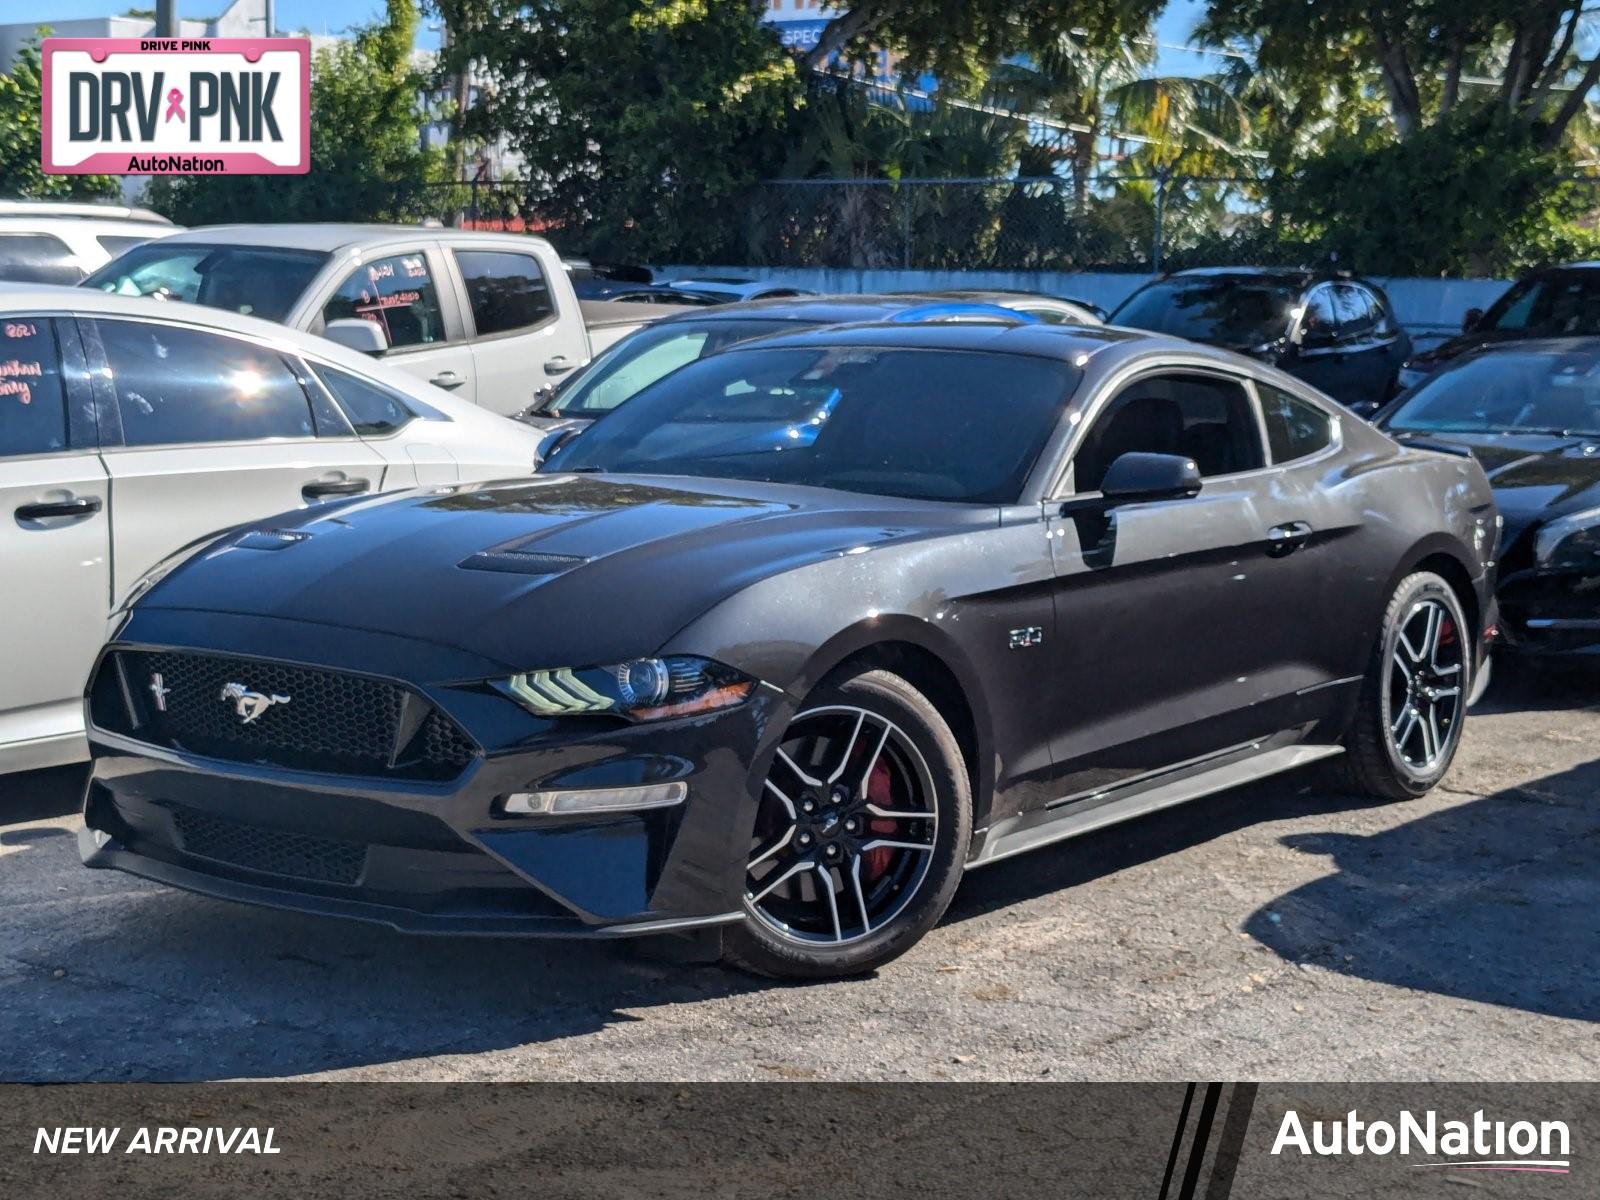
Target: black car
(777, 650)
(1336, 333)
(641, 358)
(1555, 302)
(1530, 412)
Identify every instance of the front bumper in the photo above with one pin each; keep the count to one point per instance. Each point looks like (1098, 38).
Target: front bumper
(1550, 613)
(443, 857)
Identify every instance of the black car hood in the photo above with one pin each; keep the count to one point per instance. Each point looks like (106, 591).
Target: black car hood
(555, 570)
(1535, 476)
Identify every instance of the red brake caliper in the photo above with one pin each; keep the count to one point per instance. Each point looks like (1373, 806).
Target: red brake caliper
(879, 790)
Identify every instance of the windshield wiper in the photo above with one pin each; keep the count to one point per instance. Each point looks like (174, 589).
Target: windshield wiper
(585, 470)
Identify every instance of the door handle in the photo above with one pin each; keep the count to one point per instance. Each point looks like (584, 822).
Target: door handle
(82, 507)
(340, 487)
(559, 365)
(447, 380)
(1287, 538)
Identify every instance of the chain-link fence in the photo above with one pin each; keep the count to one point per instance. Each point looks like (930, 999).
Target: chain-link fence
(1131, 223)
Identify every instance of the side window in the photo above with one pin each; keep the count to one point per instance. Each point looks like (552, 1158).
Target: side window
(176, 386)
(37, 258)
(1199, 416)
(507, 290)
(33, 409)
(1295, 427)
(373, 410)
(1320, 323)
(398, 293)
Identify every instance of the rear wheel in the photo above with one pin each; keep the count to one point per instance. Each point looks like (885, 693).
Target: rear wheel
(862, 828)
(1414, 698)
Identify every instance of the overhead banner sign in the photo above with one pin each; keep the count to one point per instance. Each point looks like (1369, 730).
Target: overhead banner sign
(170, 106)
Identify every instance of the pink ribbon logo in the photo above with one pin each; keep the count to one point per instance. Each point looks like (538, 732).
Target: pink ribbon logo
(175, 105)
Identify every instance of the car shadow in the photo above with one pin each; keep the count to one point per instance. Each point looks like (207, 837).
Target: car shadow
(1556, 686)
(1092, 856)
(1492, 900)
(41, 795)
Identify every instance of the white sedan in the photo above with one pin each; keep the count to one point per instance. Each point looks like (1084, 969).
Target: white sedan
(130, 428)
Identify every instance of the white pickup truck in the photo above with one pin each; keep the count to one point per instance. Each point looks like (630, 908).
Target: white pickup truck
(490, 317)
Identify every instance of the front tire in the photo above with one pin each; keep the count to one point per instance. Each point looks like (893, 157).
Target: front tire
(1414, 697)
(862, 830)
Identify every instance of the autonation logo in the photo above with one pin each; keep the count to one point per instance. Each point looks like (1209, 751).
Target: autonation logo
(1476, 1145)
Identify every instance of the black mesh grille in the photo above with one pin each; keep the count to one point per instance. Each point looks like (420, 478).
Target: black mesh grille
(321, 720)
(270, 851)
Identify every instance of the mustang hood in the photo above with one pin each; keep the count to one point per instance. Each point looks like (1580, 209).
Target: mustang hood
(555, 570)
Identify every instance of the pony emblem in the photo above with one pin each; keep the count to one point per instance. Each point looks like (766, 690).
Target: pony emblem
(249, 705)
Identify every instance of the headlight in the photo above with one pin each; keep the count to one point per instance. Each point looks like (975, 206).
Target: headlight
(1571, 542)
(642, 689)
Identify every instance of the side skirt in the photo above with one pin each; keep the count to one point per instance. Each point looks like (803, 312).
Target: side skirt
(1056, 824)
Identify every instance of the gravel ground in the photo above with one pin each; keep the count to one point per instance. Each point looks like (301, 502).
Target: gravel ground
(1278, 932)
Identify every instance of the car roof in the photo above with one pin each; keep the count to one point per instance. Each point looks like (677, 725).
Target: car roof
(117, 226)
(330, 237)
(1072, 343)
(80, 210)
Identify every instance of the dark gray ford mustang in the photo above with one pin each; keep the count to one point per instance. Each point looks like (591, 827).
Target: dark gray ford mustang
(770, 655)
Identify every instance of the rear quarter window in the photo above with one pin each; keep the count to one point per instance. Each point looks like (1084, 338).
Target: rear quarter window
(1296, 428)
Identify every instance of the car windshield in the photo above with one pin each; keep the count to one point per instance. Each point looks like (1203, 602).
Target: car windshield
(258, 281)
(1229, 312)
(1508, 392)
(1550, 305)
(927, 424)
(655, 351)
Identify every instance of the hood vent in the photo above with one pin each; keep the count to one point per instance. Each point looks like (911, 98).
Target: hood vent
(514, 561)
(271, 539)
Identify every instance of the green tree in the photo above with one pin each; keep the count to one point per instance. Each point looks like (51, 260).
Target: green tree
(21, 172)
(961, 40)
(1471, 195)
(1432, 56)
(367, 162)
(640, 120)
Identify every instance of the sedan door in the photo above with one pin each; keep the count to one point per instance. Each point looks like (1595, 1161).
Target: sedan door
(209, 431)
(1160, 605)
(54, 541)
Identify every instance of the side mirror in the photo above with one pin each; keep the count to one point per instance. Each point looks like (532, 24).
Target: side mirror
(1138, 476)
(1470, 321)
(556, 439)
(352, 332)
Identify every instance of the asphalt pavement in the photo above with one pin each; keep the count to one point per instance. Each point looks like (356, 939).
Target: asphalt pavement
(1280, 932)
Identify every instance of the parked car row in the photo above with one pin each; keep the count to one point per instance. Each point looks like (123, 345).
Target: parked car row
(812, 604)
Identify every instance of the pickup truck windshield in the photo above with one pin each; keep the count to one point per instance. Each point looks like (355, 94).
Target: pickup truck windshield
(257, 281)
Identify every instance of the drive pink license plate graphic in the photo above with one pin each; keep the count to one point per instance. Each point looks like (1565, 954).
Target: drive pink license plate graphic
(165, 106)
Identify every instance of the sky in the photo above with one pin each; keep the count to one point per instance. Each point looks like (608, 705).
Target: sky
(334, 16)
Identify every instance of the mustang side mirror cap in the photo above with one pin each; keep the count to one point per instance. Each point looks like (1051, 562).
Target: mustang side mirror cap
(1139, 476)
(1470, 321)
(356, 334)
